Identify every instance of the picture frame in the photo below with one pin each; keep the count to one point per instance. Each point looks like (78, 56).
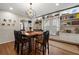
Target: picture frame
(8, 24)
(3, 24)
(9, 20)
(14, 21)
(13, 24)
(4, 20)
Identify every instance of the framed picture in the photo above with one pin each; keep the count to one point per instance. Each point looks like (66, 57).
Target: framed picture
(13, 24)
(9, 20)
(8, 24)
(4, 20)
(3, 24)
(14, 21)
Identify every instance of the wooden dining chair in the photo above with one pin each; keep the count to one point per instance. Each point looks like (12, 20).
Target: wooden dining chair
(20, 41)
(17, 41)
(24, 42)
(43, 43)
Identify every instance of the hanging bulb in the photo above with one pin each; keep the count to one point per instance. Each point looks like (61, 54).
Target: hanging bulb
(31, 6)
(30, 3)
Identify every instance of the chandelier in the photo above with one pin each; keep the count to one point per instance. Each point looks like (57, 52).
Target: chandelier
(31, 12)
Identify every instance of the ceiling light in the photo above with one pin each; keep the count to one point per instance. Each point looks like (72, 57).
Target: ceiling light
(11, 8)
(57, 4)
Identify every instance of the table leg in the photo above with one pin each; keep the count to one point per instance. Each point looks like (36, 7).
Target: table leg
(30, 46)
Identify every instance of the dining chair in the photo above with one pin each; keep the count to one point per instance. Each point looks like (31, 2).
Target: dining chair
(43, 43)
(24, 42)
(16, 45)
(20, 41)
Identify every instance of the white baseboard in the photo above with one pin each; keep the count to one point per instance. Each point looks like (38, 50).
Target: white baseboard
(6, 42)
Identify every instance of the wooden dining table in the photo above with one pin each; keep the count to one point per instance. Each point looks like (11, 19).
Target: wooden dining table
(31, 35)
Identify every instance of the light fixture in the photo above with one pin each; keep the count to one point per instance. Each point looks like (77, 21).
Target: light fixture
(57, 4)
(11, 8)
(31, 12)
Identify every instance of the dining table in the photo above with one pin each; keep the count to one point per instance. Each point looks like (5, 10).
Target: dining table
(31, 35)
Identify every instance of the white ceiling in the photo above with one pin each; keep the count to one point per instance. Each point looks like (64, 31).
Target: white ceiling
(39, 8)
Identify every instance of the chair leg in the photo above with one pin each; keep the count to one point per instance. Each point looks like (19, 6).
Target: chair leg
(22, 48)
(43, 50)
(48, 48)
(15, 45)
(17, 49)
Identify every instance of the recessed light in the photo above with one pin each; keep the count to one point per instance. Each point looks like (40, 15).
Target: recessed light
(11, 8)
(57, 4)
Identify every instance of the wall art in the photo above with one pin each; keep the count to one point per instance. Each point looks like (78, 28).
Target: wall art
(9, 20)
(4, 20)
(13, 24)
(14, 21)
(3, 24)
(8, 24)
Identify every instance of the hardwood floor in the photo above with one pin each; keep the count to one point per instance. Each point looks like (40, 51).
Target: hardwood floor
(7, 49)
(73, 49)
(56, 48)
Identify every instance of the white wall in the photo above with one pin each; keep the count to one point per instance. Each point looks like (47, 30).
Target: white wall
(7, 32)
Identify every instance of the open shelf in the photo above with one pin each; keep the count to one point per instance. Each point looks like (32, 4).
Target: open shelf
(70, 23)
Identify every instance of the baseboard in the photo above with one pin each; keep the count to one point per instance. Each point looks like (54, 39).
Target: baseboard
(6, 42)
(64, 41)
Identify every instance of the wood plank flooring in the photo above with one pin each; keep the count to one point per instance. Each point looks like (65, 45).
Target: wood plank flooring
(56, 48)
(7, 49)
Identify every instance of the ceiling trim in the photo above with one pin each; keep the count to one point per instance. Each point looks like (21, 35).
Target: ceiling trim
(59, 11)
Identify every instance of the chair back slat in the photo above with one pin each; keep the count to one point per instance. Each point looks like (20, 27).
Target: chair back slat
(16, 35)
(46, 36)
